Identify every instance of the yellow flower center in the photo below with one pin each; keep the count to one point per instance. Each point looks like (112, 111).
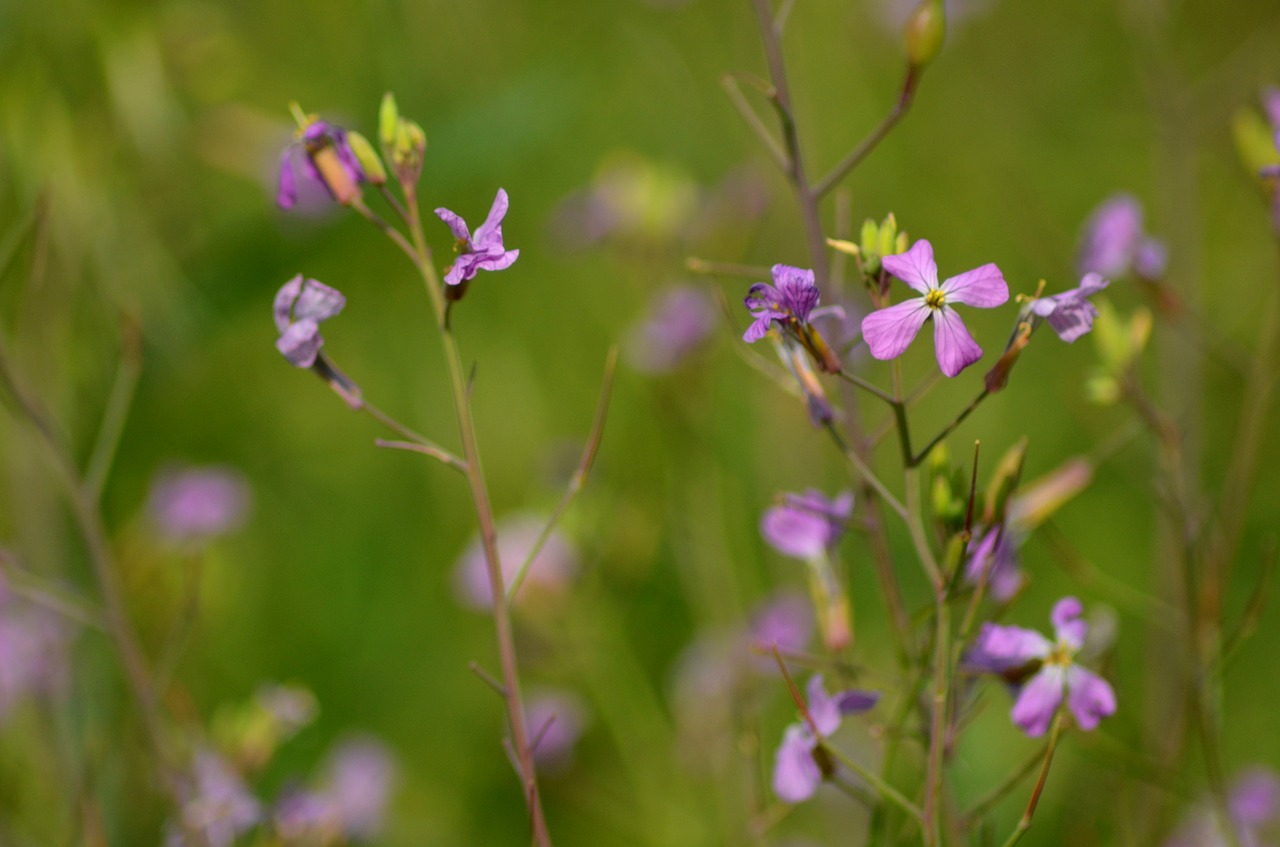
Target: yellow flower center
(1060, 656)
(935, 298)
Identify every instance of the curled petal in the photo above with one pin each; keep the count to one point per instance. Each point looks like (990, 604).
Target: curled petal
(489, 233)
(500, 261)
(889, 332)
(318, 302)
(796, 775)
(1071, 319)
(1067, 624)
(1089, 697)
(1039, 700)
(983, 287)
(300, 343)
(823, 708)
(457, 224)
(758, 329)
(999, 648)
(854, 701)
(955, 347)
(283, 306)
(915, 267)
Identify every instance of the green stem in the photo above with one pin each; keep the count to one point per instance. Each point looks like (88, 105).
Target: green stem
(948, 429)
(1025, 822)
(884, 789)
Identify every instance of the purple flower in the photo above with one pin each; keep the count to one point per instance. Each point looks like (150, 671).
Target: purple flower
(995, 552)
(1070, 313)
(556, 720)
(1254, 805)
(361, 776)
(790, 300)
(891, 330)
(1114, 244)
(786, 621)
(678, 322)
(33, 652)
(220, 808)
(800, 767)
(549, 575)
(326, 159)
(1010, 650)
(482, 252)
(806, 525)
(300, 306)
(195, 504)
(1271, 105)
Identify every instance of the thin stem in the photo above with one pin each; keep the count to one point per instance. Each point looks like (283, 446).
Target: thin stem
(116, 413)
(1025, 823)
(914, 517)
(394, 202)
(866, 473)
(870, 388)
(948, 429)
(884, 789)
(431, 448)
(390, 231)
(437, 453)
(579, 479)
(864, 148)
(932, 821)
(729, 83)
(32, 588)
(988, 801)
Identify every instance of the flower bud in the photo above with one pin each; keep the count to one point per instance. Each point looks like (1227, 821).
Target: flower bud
(388, 121)
(369, 161)
(1003, 482)
(408, 151)
(925, 32)
(888, 236)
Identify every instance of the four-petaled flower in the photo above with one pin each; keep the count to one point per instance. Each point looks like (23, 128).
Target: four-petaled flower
(1015, 652)
(327, 160)
(891, 330)
(802, 763)
(484, 250)
(300, 306)
(1070, 313)
(806, 525)
(790, 301)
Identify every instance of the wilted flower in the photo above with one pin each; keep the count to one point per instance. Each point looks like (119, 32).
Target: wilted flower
(678, 322)
(1070, 313)
(1114, 244)
(220, 808)
(326, 159)
(556, 720)
(483, 251)
(995, 553)
(300, 307)
(806, 525)
(550, 572)
(802, 763)
(1015, 653)
(1253, 802)
(199, 503)
(890, 331)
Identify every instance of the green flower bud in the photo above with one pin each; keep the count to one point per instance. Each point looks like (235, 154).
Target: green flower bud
(369, 161)
(388, 120)
(925, 32)
(888, 236)
(870, 238)
(1255, 141)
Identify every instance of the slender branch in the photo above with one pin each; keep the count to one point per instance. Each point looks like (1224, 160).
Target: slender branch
(846, 165)
(867, 474)
(1025, 822)
(579, 479)
(116, 413)
(932, 821)
(988, 801)
(729, 83)
(884, 789)
(437, 453)
(948, 429)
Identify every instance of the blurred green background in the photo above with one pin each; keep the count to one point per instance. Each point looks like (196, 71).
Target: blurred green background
(147, 135)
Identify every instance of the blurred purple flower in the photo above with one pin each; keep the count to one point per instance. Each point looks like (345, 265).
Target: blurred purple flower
(33, 652)
(360, 777)
(806, 525)
(291, 707)
(300, 307)
(994, 551)
(1271, 105)
(678, 322)
(789, 300)
(556, 721)
(483, 251)
(1012, 650)
(1114, 244)
(194, 504)
(1070, 313)
(550, 573)
(220, 808)
(1254, 804)
(891, 330)
(326, 160)
(786, 621)
(797, 772)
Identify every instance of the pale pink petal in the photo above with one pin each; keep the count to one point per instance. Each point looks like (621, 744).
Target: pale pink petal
(915, 267)
(490, 232)
(1039, 700)
(822, 707)
(983, 287)
(1067, 626)
(282, 308)
(457, 224)
(796, 776)
(1089, 697)
(955, 347)
(888, 332)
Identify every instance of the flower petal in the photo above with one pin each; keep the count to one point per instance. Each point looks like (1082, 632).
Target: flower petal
(457, 224)
(287, 186)
(283, 306)
(915, 267)
(1067, 625)
(318, 302)
(823, 708)
(854, 701)
(983, 287)
(758, 329)
(954, 346)
(797, 289)
(300, 343)
(1089, 697)
(489, 233)
(498, 262)
(1000, 648)
(1071, 319)
(796, 776)
(1039, 700)
(888, 332)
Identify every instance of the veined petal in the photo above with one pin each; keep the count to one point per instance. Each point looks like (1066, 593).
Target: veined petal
(457, 224)
(759, 328)
(796, 776)
(955, 347)
(1039, 700)
(282, 308)
(888, 332)
(489, 233)
(318, 302)
(983, 287)
(1072, 319)
(300, 343)
(500, 261)
(915, 267)
(1089, 697)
